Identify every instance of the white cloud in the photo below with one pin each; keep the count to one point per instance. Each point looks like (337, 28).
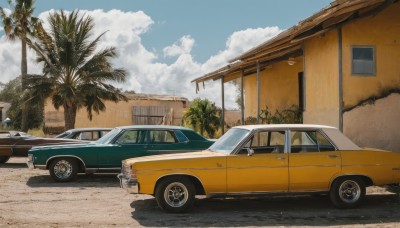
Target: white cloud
(146, 73)
(184, 46)
(10, 60)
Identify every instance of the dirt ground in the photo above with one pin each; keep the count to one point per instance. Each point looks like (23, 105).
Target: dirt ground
(30, 198)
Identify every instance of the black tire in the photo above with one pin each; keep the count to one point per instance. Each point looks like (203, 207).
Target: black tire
(63, 169)
(4, 159)
(175, 194)
(347, 192)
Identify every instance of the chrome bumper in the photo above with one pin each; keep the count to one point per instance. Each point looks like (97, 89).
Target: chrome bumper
(130, 185)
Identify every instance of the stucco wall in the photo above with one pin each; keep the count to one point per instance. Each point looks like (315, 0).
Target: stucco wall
(321, 80)
(375, 125)
(383, 32)
(278, 88)
(116, 114)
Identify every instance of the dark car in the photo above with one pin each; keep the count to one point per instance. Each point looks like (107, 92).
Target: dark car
(106, 154)
(15, 143)
(90, 134)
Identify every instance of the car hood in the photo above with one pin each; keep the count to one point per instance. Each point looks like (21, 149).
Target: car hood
(163, 157)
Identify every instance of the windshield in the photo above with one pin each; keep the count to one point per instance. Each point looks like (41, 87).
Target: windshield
(109, 136)
(229, 141)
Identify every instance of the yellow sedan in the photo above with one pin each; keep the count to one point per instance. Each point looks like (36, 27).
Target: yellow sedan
(264, 159)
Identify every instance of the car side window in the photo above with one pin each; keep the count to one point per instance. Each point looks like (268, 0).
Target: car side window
(132, 137)
(324, 144)
(88, 135)
(162, 136)
(266, 142)
(309, 141)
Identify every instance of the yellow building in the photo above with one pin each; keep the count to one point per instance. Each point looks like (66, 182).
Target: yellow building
(140, 109)
(340, 66)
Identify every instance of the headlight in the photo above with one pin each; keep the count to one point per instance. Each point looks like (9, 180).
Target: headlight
(126, 169)
(30, 157)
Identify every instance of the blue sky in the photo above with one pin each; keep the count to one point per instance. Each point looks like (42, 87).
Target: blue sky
(165, 44)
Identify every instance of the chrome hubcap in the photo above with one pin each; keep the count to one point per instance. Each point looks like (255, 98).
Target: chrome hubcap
(63, 169)
(349, 191)
(176, 194)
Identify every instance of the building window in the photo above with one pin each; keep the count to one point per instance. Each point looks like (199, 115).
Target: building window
(363, 61)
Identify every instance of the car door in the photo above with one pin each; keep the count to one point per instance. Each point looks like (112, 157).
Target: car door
(313, 161)
(128, 144)
(265, 170)
(164, 141)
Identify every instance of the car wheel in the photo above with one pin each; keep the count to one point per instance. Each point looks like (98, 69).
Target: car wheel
(4, 159)
(63, 169)
(347, 192)
(175, 194)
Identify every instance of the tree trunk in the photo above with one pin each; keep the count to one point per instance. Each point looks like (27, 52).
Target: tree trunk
(24, 72)
(69, 116)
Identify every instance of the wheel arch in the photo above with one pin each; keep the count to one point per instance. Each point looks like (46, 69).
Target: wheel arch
(367, 180)
(81, 163)
(195, 180)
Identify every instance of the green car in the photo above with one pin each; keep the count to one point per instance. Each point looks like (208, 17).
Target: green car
(106, 154)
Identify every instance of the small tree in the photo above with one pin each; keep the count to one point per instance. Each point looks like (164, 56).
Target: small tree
(11, 93)
(203, 116)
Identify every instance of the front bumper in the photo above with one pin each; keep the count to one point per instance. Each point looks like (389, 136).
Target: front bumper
(130, 185)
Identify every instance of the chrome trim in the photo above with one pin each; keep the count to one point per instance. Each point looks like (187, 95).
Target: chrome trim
(68, 156)
(130, 185)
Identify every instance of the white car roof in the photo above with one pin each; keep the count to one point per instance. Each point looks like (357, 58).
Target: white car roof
(338, 138)
(284, 126)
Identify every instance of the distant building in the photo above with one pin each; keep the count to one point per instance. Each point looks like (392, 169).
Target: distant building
(141, 109)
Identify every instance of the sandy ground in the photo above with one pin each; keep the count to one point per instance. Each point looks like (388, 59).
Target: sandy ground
(30, 198)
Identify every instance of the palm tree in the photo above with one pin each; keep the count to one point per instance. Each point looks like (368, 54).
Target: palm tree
(75, 75)
(204, 116)
(19, 25)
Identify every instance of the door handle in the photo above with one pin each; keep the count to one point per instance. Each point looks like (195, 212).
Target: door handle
(280, 158)
(333, 156)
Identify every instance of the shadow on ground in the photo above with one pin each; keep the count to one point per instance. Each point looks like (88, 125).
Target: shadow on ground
(81, 181)
(13, 165)
(270, 211)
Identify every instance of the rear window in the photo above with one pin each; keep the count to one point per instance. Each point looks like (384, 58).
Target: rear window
(193, 135)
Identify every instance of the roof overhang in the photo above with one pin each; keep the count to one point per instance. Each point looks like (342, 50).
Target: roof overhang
(289, 43)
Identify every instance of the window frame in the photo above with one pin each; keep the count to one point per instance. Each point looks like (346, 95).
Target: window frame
(373, 73)
(317, 131)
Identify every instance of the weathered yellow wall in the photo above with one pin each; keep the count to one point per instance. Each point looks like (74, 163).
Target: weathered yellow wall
(383, 32)
(116, 114)
(375, 125)
(322, 83)
(278, 88)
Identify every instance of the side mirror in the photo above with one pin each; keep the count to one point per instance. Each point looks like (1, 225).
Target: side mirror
(250, 152)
